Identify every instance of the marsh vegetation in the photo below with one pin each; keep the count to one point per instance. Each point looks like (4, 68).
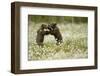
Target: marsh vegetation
(74, 31)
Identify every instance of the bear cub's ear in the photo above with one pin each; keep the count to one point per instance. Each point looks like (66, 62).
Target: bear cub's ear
(43, 26)
(54, 25)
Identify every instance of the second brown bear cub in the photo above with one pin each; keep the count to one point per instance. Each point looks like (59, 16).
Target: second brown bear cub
(51, 29)
(54, 30)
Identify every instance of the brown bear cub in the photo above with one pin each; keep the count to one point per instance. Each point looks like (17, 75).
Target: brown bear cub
(41, 32)
(54, 30)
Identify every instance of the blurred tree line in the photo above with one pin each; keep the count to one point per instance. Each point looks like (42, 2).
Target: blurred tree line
(57, 19)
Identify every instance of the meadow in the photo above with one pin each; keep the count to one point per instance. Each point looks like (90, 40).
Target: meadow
(74, 44)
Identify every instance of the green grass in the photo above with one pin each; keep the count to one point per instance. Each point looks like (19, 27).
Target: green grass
(74, 44)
